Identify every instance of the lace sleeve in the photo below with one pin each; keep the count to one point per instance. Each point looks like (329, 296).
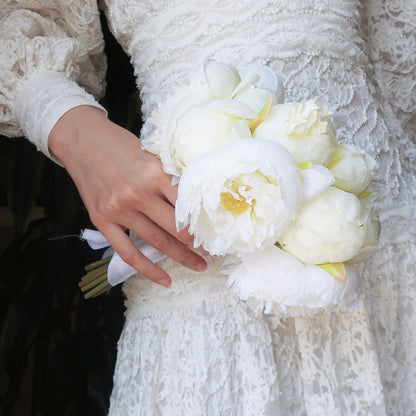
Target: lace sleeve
(391, 32)
(51, 60)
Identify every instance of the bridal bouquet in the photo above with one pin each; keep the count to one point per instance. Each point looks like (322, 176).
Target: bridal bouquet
(265, 184)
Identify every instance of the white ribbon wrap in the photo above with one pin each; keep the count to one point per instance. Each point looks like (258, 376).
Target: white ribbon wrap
(118, 270)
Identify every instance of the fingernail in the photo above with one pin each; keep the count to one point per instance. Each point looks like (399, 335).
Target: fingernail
(201, 266)
(165, 282)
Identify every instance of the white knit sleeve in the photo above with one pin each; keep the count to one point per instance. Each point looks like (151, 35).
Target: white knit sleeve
(51, 60)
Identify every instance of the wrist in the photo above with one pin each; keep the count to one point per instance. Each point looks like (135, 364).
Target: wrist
(68, 132)
(41, 102)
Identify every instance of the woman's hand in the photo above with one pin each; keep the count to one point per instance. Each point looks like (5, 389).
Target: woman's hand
(123, 187)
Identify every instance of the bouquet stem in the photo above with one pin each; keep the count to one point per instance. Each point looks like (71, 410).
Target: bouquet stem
(97, 264)
(98, 290)
(95, 281)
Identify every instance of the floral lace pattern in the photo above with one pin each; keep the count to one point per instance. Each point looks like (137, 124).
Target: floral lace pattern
(199, 350)
(391, 39)
(194, 349)
(37, 36)
(339, 363)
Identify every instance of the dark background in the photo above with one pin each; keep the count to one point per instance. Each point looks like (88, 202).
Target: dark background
(57, 350)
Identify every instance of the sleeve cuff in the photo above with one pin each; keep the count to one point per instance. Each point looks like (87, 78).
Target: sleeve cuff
(43, 101)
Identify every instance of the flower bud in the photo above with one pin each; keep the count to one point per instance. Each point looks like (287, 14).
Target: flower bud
(352, 168)
(329, 229)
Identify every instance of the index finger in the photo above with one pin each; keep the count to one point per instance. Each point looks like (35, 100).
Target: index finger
(169, 191)
(131, 255)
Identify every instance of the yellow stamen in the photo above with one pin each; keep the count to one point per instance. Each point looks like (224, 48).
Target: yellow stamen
(233, 204)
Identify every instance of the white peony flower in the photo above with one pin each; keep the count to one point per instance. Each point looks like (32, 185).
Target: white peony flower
(352, 168)
(329, 229)
(274, 276)
(202, 129)
(305, 129)
(211, 113)
(237, 199)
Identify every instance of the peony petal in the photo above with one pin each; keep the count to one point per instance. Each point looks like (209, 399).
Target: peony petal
(316, 180)
(264, 112)
(232, 107)
(266, 77)
(275, 276)
(222, 79)
(247, 80)
(261, 79)
(238, 130)
(255, 98)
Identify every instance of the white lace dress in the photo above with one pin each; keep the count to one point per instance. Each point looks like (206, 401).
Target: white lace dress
(194, 349)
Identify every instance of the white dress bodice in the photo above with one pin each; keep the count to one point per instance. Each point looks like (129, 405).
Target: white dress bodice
(321, 50)
(318, 47)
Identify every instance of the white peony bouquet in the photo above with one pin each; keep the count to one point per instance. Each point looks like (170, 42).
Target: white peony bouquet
(265, 184)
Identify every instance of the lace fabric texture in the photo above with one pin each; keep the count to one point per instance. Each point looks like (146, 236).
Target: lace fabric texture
(391, 39)
(332, 363)
(194, 349)
(39, 38)
(200, 351)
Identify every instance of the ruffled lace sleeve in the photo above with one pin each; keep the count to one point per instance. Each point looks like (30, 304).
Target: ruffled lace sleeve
(51, 60)
(391, 32)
